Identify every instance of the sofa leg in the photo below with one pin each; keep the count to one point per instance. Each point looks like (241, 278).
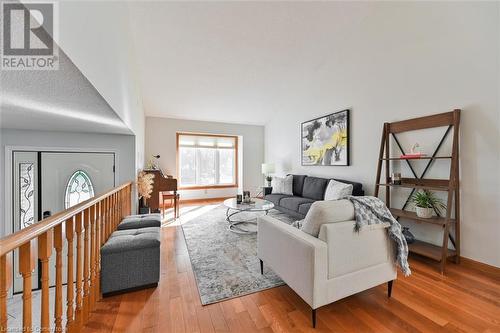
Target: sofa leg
(313, 315)
(261, 267)
(389, 288)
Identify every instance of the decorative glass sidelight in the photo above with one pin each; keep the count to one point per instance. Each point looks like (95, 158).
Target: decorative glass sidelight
(27, 194)
(78, 189)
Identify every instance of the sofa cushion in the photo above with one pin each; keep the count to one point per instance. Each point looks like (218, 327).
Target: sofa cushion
(293, 203)
(337, 190)
(304, 208)
(132, 239)
(357, 188)
(282, 185)
(322, 212)
(298, 184)
(140, 221)
(314, 188)
(275, 198)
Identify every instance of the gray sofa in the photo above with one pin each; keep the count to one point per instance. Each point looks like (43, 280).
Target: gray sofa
(306, 190)
(130, 259)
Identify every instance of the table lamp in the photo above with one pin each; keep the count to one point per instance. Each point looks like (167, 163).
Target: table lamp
(267, 170)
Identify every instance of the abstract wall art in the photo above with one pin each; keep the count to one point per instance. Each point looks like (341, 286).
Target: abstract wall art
(325, 140)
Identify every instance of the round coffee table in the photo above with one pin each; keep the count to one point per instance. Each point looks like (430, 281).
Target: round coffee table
(257, 205)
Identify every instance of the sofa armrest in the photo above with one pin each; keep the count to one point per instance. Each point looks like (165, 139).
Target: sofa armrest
(350, 251)
(298, 258)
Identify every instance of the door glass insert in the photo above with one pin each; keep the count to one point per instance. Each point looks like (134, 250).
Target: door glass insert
(27, 191)
(78, 189)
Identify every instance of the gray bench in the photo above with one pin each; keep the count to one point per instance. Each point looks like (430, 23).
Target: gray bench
(130, 259)
(140, 221)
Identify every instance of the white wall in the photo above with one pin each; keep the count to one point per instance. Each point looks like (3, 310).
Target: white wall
(161, 139)
(122, 145)
(404, 60)
(95, 35)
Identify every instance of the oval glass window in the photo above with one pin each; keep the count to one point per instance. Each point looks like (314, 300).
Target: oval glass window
(78, 189)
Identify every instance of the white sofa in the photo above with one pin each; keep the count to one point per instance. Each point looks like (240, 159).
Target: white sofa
(337, 264)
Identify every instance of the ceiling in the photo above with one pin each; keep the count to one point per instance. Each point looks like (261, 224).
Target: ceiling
(238, 62)
(61, 100)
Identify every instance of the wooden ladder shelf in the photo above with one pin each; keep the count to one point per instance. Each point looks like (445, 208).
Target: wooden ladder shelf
(450, 185)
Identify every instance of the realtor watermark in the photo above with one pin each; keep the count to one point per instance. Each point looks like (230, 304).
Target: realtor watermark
(29, 29)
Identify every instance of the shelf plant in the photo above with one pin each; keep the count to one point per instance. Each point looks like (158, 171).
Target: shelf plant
(425, 202)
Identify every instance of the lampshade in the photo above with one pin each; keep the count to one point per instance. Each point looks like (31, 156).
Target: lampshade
(267, 168)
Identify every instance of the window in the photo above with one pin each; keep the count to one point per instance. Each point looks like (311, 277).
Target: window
(78, 189)
(207, 160)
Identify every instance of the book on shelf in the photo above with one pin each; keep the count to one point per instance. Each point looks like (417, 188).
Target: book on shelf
(416, 155)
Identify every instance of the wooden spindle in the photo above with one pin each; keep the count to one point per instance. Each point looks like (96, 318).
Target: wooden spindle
(86, 263)
(101, 222)
(115, 210)
(109, 221)
(70, 279)
(44, 253)
(93, 260)
(112, 208)
(26, 267)
(4, 288)
(79, 267)
(58, 246)
(118, 209)
(106, 219)
(99, 243)
(129, 199)
(120, 205)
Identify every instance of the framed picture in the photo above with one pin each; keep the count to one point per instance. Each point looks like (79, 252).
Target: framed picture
(325, 140)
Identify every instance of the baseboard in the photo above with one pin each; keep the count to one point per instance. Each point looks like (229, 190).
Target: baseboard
(479, 265)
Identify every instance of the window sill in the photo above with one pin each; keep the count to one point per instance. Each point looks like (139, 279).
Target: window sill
(207, 187)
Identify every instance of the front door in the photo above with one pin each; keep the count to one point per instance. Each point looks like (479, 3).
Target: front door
(60, 180)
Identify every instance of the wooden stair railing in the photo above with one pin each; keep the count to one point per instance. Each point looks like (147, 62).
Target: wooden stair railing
(92, 221)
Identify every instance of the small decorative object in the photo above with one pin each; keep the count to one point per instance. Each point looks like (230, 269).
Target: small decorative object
(410, 238)
(425, 202)
(144, 189)
(246, 196)
(239, 198)
(325, 140)
(415, 152)
(396, 178)
(267, 170)
(153, 162)
(415, 149)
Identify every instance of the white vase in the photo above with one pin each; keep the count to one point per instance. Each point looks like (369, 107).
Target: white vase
(425, 213)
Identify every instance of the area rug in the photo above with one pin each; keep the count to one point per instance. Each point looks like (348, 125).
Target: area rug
(225, 264)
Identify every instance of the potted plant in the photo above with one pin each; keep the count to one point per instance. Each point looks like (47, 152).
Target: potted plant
(425, 202)
(269, 180)
(144, 189)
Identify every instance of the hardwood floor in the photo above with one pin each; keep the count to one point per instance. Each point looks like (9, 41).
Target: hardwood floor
(467, 299)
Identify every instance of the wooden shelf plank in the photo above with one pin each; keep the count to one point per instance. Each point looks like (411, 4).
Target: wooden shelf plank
(418, 158)
(428, 250)
(413, 216)
(423, 187)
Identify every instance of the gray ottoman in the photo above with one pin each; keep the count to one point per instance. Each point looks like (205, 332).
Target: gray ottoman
(140, 221)
(130, 259)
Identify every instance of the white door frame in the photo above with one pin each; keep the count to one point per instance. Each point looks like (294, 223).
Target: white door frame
(9, 150)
